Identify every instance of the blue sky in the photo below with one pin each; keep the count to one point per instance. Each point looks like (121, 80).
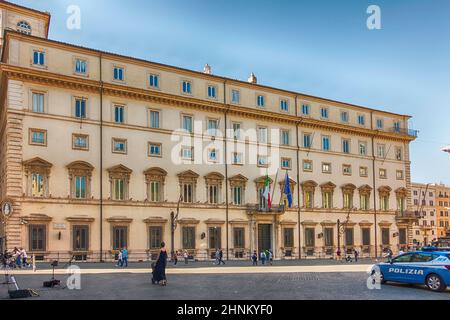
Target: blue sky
(321, 48)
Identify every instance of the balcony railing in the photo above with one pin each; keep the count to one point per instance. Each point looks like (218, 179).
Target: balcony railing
(408, 214)
(405, 131)
(258, 208)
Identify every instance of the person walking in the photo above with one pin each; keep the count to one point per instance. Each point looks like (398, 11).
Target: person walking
(270, 257)
(125, 257)
(159, 270)
(186, 257)
(216, 256)
(221, 257)
(356, 253)
(24, 257)
(254, 258)
(338, 255)
(175, 258)
(119, 259)
(263, 258)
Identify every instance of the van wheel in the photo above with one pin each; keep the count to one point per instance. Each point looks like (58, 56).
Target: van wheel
(435, 283)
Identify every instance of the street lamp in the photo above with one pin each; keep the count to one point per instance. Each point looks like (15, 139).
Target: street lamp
(173, 227)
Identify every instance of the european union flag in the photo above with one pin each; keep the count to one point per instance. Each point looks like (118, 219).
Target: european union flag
(287, 190)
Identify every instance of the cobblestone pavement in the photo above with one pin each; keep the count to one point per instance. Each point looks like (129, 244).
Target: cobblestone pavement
(221, 285)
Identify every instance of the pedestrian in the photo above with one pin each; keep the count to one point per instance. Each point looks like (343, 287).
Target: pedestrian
(255, 258)
(216, 256)
(221, 257)
(125, 257)
(186, 257)
(119, 259)
(270, 257)
(356, 253)
(24, 256)
(263, 258)
(390, 255)
(17, 258)
(159, 270)
(175, 258)
(338, 255)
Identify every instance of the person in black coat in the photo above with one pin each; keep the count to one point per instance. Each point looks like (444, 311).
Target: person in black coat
(159, 269)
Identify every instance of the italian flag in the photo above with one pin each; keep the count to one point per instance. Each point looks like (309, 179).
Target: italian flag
(266, 193)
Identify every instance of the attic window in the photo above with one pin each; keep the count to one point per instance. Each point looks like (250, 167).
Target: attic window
(24, 27)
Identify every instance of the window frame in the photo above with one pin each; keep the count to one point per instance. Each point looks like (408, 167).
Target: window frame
(77, 135)
(115, 140)
(31, 131)
(151, 144)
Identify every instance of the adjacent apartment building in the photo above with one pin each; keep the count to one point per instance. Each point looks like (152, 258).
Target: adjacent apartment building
(99, 151)
(425, 230)
(443, 209)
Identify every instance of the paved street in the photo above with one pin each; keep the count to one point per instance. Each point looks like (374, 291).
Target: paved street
(203, 281)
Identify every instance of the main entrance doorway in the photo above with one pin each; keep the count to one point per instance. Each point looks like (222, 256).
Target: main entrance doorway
(264, 237)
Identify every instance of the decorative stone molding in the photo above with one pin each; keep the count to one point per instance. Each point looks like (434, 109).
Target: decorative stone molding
(309, 223)
(39, 166)
(238, 222)
(155, 174)
(384, 191)
(365, 223)
(328, 223)
(328, 187)
(348, 188)
(385, 224)
(214, 178)
(288, 223)
(187, 221)
(365, 190)
(214, 222)
(401, 192)
(292, 184)
(261, 182)
(155, 220)
(37, 218)
(120, 220)
(120, 172)
(188, 176)
(309, 185)
(80, 219)
(238, 181)
(80, 168)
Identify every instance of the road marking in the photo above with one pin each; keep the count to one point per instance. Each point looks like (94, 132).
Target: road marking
(216, 270)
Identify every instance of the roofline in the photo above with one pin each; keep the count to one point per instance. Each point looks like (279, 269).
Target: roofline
(16, 7)
(14, 33)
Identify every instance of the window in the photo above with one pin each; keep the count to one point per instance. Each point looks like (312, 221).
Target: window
(399, 174)
(361, 120)
(385, 236)
(154, 119)
(187, 153)
(363, 172)
(80, 108)
(80, 238)
(262, 161)
(213, 126)
(324, 113)
(80, 66)
(380, 124)
(119, 73)
(80, 142)
(328, 237)
(188, 236)
(346, 146)
(306, 110)
(156, 237)
(383, 174)
(307, 140)
(186, 87)
(119, 146)
(310, 237)
(326, 167)
(118, 191)
(153, 81)
(307, 166)
(381, 151)
(326, 143)
(187, 192)
(237, 195)
(399, 153)
(38, 102)
(286, 163)
(119, 114)
(37, 185)
(120, 237)
(384, 203)
(362, 148)
(285, 137)
(39, 58)
(344, 116)
(284, 105)
(154, 149)
(364, 202)
(309, 199)
(155, 191)
(213, 155)
(213, 194)
(187, 123)
(24, 27)
(80, 187)
(262, 134)
(212, 92)
(38, 137)
(214, 238)
(239, 238)
(347, 170)
(236, 130)
(349, 237)
(237, 158)
(260, 101)
(327, 199)
(235, 96)
(366, 237)
(37, 237)
(397, 126)
(288, 237)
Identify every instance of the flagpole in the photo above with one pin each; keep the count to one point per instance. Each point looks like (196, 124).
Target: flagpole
(274, 185)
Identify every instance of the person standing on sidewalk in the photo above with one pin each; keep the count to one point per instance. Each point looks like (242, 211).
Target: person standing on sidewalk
(119, 259)
(125, 257)
(254, 258)
(186, 257)
(221, 257)
(159, 272)
(270, 257)
(263, 258)
(338, 255)
(356, 255)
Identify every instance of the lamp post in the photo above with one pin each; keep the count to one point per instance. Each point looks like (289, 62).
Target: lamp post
(341, 228)
(173, 227)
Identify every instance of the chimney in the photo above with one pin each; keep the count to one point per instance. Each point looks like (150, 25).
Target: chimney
(253, 79)
(207, 69)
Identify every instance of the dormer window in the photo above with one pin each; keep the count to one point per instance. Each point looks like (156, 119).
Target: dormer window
(24, 27)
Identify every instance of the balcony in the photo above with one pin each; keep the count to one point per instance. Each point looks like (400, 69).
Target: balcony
(404, 131)
(256, 208)
(407, 215)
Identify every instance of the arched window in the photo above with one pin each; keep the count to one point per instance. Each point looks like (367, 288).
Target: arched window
(24, 27)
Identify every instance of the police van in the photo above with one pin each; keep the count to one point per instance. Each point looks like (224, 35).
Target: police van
(431, 268)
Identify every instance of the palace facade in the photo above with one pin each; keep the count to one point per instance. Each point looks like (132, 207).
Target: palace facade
(99, 151)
